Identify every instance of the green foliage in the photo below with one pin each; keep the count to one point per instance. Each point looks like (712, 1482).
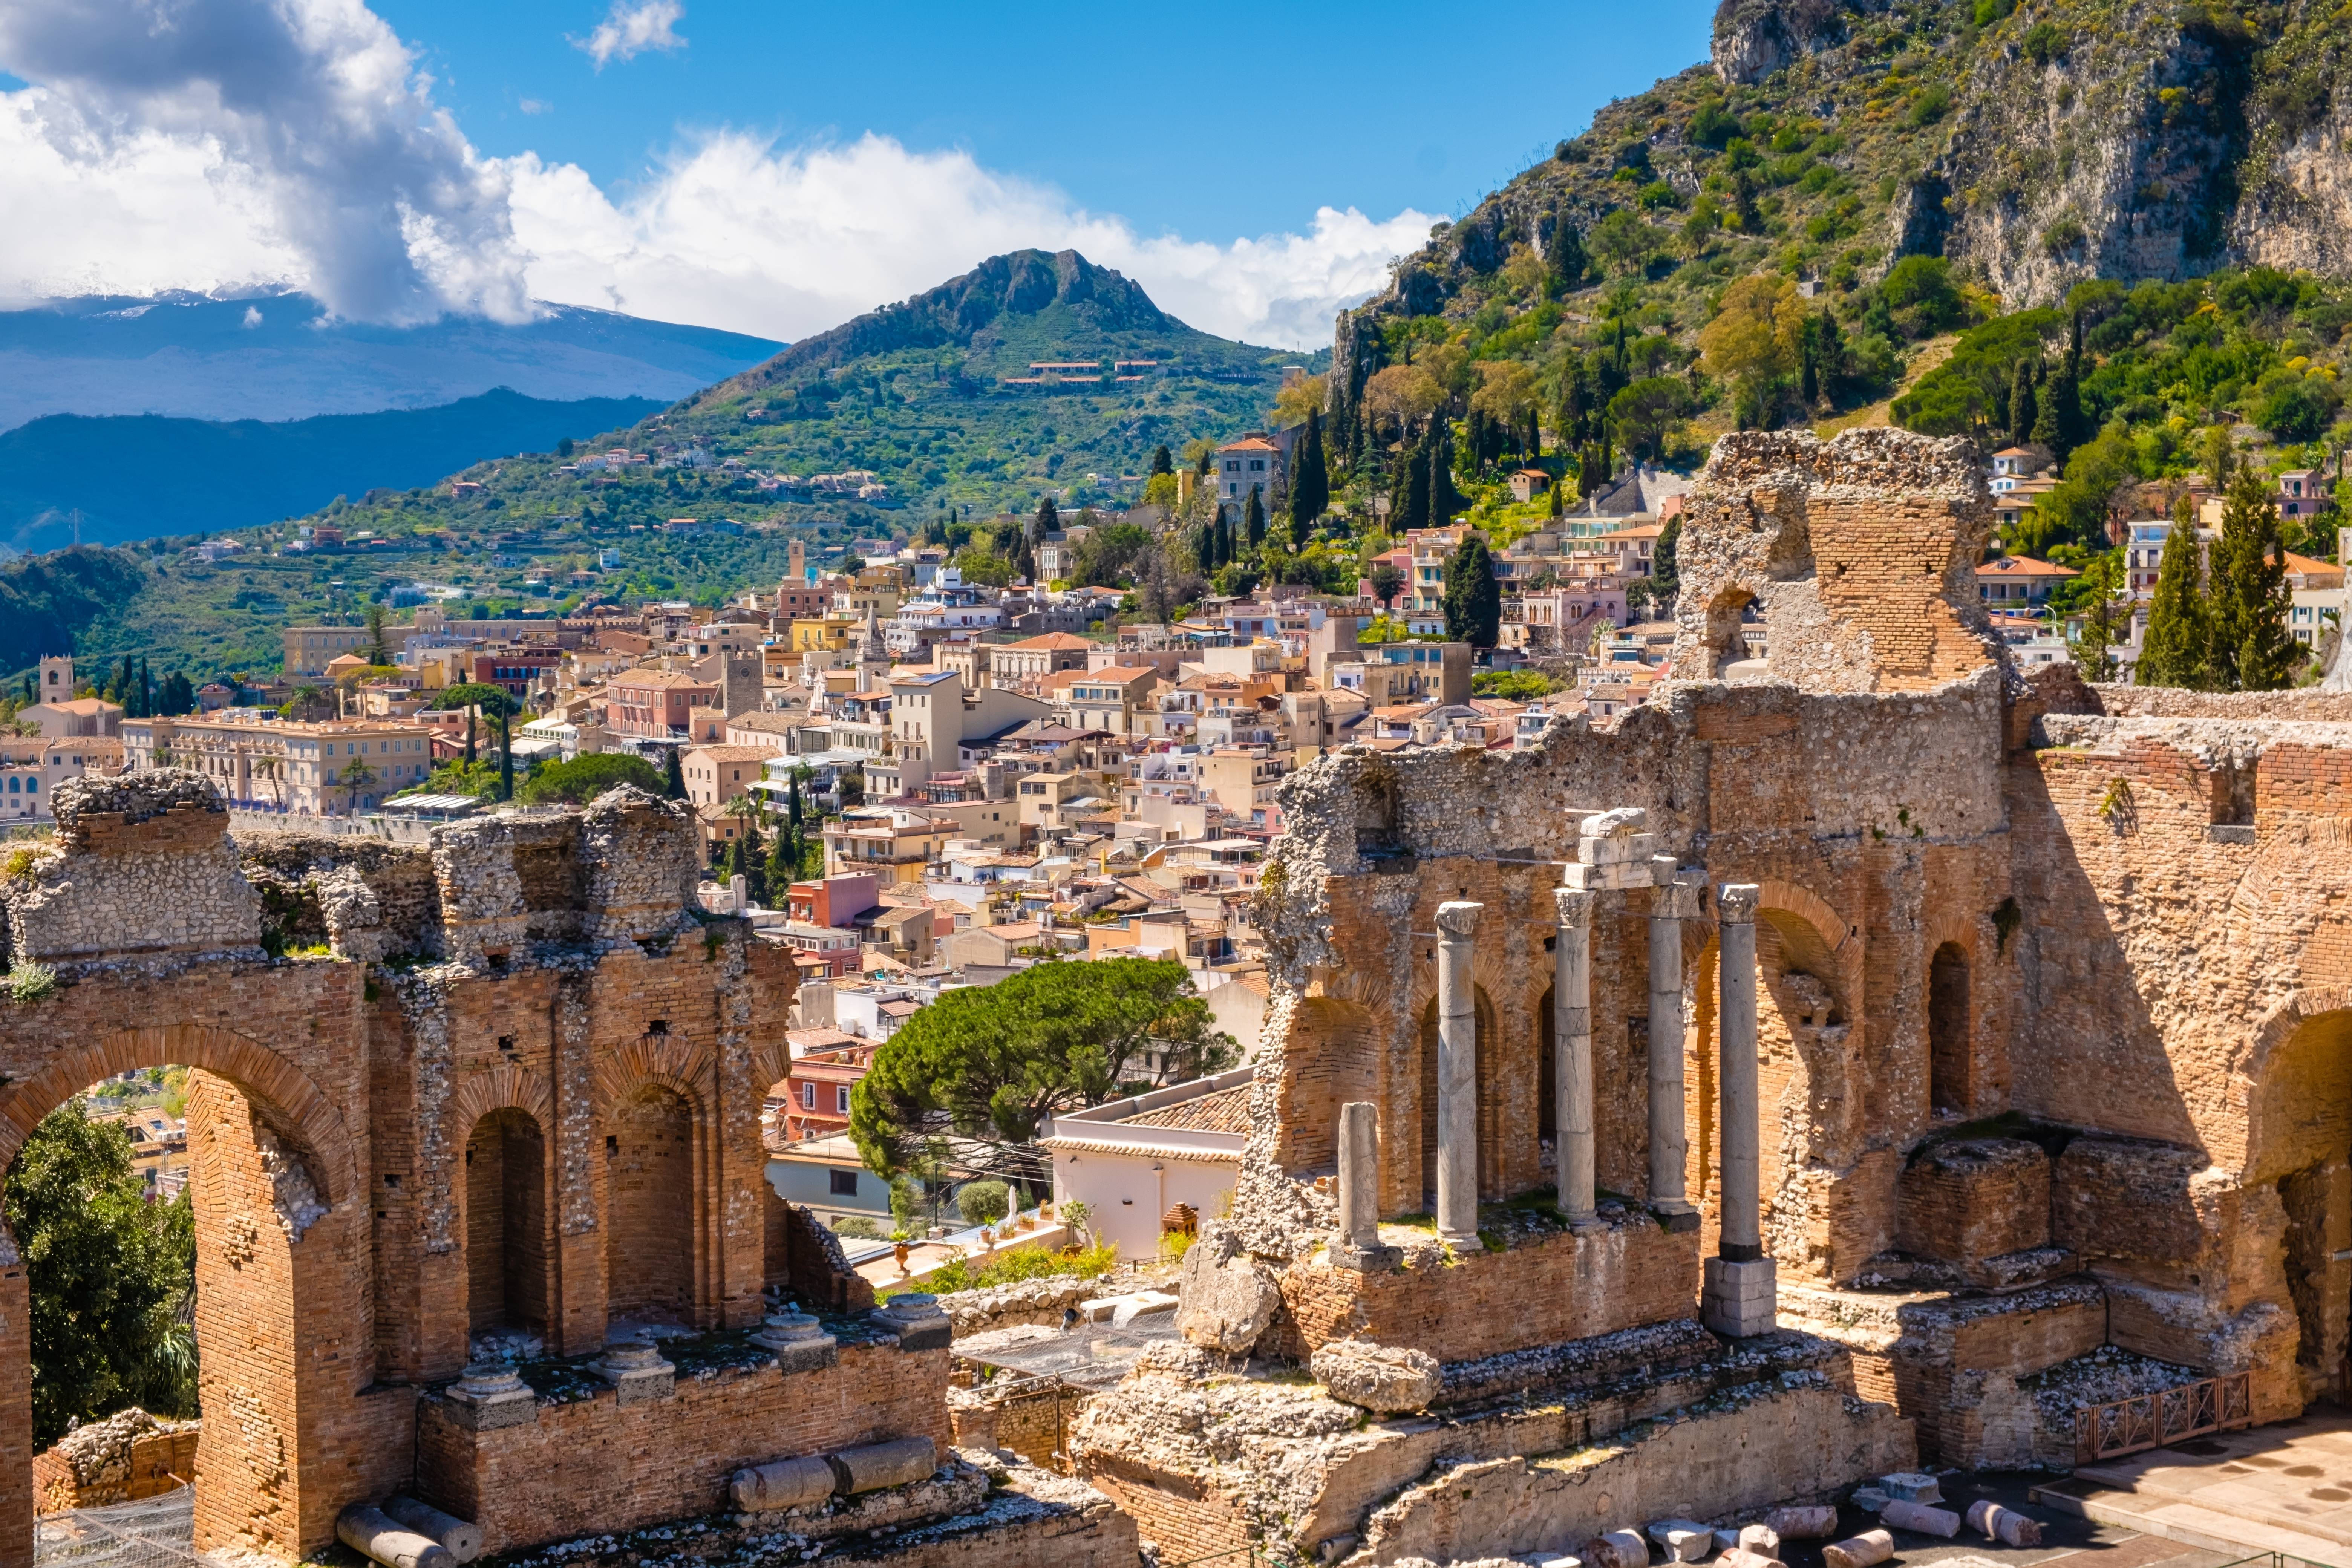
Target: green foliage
(1473, 600)
(1512, 685)
(2176, 650)
(583, 778)
(673, 776)
(994, 1062)
(1919, 292)
(984, 1202)
(1009, 1266)
(1976, 386)
(2252, 649)
(2042, 43)
(111, 1276)
(1644, 412)
(30, 982)
(858, 1227)
(2076, 512)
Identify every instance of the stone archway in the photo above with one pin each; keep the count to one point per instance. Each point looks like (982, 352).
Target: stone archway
(282, 1255)
(2299, 1140)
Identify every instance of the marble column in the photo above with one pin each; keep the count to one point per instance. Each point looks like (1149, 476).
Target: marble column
(1571, 1037)
(1358, 1245)
(1457, 1075)
(1740, 1295)
(1672, 902)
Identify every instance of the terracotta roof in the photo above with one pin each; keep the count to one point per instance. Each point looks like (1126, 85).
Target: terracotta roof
(1219, 1110)
(1249, 444)
(2025, 567)
(730, 753)
(1052, 640)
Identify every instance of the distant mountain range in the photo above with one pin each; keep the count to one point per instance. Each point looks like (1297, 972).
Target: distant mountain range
(938, 396)
(281, 357)
(67, 479)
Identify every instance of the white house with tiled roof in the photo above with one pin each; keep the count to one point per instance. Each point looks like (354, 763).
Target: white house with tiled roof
(1132, 1160)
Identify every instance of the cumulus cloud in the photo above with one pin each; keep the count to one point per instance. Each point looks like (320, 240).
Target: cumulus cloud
(628, 31)
(220, 144)
(735, 231)
(308, 115)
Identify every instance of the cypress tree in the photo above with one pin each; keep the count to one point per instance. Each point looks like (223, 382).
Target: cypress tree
(1048, 522)
(1162, 461)
(1310, 486)
(2175, 650)
(2253, 650)
(674, 781)
(792, 802)
(1534, 448)
(469, 748)
(1473, 600)
(2020, 404)
(1253, 518)
(1566, 254)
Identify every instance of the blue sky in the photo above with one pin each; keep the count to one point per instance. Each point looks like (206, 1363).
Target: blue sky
(776, 169)
(1377, 106)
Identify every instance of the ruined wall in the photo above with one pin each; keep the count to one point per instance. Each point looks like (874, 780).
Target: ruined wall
(542, 969)
(1860, 552)
(595, 1465)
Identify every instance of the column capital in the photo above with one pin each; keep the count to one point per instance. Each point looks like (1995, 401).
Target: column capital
(1458, 918)
(1675, 894)
(1575, 906)
(1736, 903)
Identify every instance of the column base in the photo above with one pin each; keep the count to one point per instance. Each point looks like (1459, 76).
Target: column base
(1675, 1217)
(1372, 1259)
(1461, 1240)
(1740, 1300)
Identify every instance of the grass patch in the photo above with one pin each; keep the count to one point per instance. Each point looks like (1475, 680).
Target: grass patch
(1010, 1269)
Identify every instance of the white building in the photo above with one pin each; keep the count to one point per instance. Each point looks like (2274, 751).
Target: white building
(1132, 1160)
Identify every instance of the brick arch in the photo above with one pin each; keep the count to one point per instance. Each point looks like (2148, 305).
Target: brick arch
(2296, 1085)
(2279, 1023)
(666, 1059)
(1960, 931)
(285, 1094)
(772, 1062)
(504, 1088)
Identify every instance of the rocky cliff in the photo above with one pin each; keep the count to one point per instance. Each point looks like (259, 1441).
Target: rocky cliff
(2035, 146)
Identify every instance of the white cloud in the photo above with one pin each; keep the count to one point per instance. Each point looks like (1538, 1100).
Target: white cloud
(314, 108)
(736, 231)
(220, 144)
(628, 31)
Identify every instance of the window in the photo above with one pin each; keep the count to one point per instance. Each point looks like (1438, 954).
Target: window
(845, 1183)
(808, 1096)
(841, 1097)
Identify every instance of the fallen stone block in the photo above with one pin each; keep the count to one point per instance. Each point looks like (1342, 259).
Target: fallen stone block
(1616, 1549)
(1382, 1378)
(1810, 1521)
(1867, 1549)
(1912, 1486)
(1872, 1498)
(898, 1463)
(462, 1537)
(1740, 1557)
(373, 1534)
(1917, 1516)
(1226, 1300)
(1682, 1540)
(1764, 1539)
(2005, 1525)
(781, 1484)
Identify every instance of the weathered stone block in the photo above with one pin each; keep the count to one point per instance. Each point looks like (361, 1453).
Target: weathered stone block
(1974, 1198)
(1381, 1378)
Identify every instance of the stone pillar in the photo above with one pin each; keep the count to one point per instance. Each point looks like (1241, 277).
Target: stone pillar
(1739, 1298)
(1358, 1245)
(1571, 1037)
(17, 1508)
(1672, 902)
(1457, 1075)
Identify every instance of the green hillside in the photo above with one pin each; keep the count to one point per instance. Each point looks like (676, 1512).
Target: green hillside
(913, 393)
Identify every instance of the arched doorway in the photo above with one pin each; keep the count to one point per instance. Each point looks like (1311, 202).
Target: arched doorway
(272, 1174)
(2299, 1138)
(507, 1248)
(1950, 1028)
(649, 1184)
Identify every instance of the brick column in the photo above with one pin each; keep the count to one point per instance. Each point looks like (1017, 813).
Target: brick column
(1571, 1035)
(15, 1407)
(1672, 902)
(1740, 1296)
(1457, 1075)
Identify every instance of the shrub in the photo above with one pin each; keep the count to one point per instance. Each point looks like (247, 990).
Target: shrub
(1928, 105)
(1012, 1266)
(582, 779)
(2042, 43)
(858, 1227)
(984, 1202)
(31, 982)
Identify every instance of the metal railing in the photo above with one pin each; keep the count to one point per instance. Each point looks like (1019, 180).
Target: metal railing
(153, 1532)
(2165, 1415)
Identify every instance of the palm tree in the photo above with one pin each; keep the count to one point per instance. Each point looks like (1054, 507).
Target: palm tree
(355, 778)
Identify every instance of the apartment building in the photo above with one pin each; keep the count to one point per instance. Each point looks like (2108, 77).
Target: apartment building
(262, 763)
